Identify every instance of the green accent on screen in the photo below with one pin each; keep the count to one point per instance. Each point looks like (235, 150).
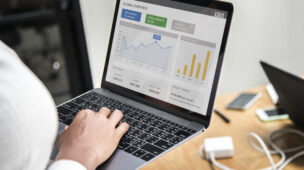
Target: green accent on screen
(156, 20)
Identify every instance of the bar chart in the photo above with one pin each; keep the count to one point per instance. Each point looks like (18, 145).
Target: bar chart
(194, 65)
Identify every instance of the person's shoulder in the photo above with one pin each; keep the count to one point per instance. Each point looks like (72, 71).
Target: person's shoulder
(5, 50)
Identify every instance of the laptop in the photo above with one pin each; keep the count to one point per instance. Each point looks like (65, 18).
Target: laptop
(290, 89)
(162, 70)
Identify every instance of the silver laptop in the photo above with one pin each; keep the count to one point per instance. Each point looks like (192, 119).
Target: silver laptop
(162, 70)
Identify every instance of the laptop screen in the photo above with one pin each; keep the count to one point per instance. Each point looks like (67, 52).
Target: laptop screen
(167, 50)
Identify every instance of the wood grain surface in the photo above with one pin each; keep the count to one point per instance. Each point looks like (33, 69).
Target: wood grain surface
(242, 123)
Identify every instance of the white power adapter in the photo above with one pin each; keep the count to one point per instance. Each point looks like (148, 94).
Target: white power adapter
(220, 147)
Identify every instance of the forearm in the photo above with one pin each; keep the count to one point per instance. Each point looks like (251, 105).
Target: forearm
(84, 157)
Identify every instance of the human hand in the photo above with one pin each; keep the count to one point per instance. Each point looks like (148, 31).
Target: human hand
(92, 137)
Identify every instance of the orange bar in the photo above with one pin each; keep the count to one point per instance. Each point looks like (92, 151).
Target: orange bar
(178, 71)
(192, 65)
(206, 66)
(185, 70)
(198, 70)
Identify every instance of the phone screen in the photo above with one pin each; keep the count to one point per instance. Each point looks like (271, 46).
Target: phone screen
(275, 112)
(242, 100)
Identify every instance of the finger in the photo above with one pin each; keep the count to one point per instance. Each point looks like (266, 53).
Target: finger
(116, 116)
(104, 111)
(84, 113)
(66, 127)
(122, 129)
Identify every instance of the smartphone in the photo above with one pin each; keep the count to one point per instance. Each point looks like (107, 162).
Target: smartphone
(244, 101)
(272, 113)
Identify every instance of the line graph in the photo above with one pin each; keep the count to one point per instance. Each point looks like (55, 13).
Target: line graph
(143, 45)
(145, 48)
(153, 54)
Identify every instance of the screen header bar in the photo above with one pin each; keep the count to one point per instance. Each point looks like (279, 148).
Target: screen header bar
(188, 7)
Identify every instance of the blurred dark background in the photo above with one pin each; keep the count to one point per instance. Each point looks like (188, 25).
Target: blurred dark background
(48, 36)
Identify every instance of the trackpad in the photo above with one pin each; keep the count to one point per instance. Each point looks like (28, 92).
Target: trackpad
(121, 160)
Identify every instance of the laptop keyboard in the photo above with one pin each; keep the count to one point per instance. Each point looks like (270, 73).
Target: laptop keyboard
(148, 136)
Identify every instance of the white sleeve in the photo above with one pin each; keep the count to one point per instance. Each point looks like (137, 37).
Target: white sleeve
(66, 165)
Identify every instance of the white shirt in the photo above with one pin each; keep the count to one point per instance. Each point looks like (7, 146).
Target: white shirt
(28, 118)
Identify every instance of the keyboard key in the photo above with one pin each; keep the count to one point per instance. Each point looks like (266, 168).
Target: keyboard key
(68, 121)
(191, 131)
(163, 126)
(86, 103)
(171, 129)
(131, 149)
(173, 124)
(125, 139)
(139, 117)
(78, 109)
(147, 114)
(87, 96)
(175, 140)
(62, 118)
(166, 121)
(157, 118)
(182, 134)
(93, 107)
(71, 115)
(142, 127)
(126, 111)
(152, 139)
(143, 136)
(184, 128)
(153, 116)
(139, 153)
(159, 133)
(70, 105)
(147, 157)
(128, 120)
(167, 137)
(100, 102)
(123, 145)
(135, 114)
(180, 126)
(64, 110)
(94, 99)
(152, 149)
(131, 114)
(148, 120)
(138, 143)
(78, 100)
(135, 123)
(163, 144)
(150, 130)
(155, 123)
(136, 133)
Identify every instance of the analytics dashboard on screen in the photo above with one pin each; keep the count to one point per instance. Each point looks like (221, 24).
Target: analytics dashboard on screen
(167, 52)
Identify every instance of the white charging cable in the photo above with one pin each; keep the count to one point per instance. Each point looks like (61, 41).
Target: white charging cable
(291, 159)
(272, 137)
(276, 134)
(281, 164)
(219, 165)
(258, 138)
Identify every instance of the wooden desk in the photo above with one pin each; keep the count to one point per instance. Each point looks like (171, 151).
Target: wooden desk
(242, 123)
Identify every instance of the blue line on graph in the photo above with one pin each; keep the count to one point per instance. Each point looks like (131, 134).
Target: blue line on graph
(143, 45)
